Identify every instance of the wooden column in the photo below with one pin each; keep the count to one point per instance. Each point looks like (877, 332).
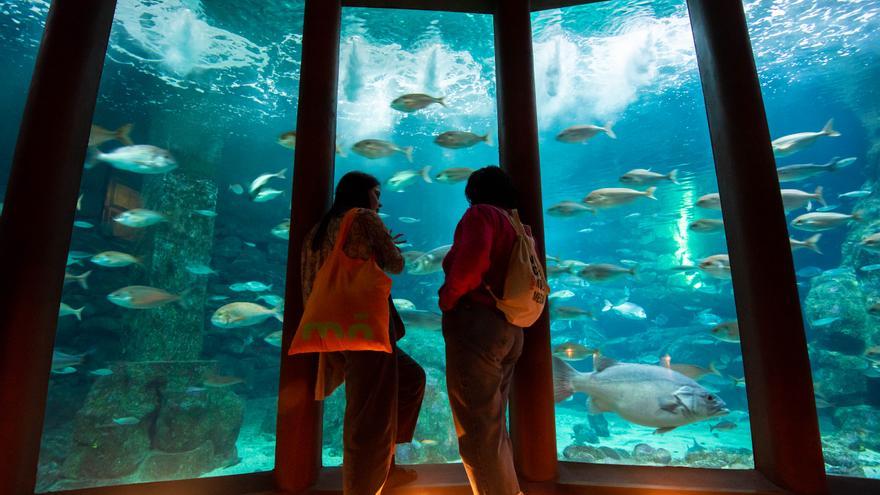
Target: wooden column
(785, 432)
(532, 416)
(37, 221)
(298, 448)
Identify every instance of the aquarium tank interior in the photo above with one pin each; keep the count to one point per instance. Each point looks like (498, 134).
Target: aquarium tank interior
(168, 344)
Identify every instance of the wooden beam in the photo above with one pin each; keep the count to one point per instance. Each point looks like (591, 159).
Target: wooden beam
(298, 441)
(219, 485)
(470, 6)
(532, 414)
(37, 221)
(784, 425)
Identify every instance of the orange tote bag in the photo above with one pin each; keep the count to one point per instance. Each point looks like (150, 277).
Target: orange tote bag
(348, 307)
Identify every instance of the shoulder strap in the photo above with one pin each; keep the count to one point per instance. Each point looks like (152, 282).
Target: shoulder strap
(344, 229)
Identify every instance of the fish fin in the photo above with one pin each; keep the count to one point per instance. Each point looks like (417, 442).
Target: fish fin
(79, 202)
(673, 176)
(608, 130)
(78, 313)
(82, 279)
(858, 215)
(596, 407)
(278, 312)
(441, 101)
(833, 164)
(488, 139)
(809, 206)
(649, 192)
(828, 130)
(667, 429)
(280, 174)
(408, 153)
(607, 306)
(93, 156)
(669, 404)
(340, 151)
(426, 174)
(123, 134)
(713, 370)
(563, 378)
(813, 243)
(601, 362)
(819, 197)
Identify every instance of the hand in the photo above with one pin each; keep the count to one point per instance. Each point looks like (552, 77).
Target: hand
(397, 238)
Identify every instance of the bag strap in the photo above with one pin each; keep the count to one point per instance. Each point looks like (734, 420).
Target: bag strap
(344, 229)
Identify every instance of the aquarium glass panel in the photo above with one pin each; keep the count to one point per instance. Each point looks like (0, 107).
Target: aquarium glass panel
(637, 258)
(448, 58)
(21, 28)
(819, 63)
(167, 350)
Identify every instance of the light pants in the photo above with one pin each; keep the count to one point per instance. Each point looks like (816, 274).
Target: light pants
(481, 351)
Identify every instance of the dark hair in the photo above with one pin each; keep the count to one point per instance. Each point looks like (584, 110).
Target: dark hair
(352, 191)
(492, 186)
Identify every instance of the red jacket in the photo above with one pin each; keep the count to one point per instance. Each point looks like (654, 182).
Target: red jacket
(480, 253)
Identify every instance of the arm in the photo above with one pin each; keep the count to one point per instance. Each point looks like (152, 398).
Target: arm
(370, 238)
(468, 260)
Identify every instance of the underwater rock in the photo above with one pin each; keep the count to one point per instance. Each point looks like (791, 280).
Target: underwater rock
(583, 433)
(838, 296)
(610, 453)
(720, 458)
(642, 450)
(661, 456)
(839, 460)
(179, 465)
(839, 378)
(187, 420)
(582, 453)
(599, 424)
(859, 420)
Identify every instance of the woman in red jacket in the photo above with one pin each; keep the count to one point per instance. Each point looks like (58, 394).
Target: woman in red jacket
(481, 346)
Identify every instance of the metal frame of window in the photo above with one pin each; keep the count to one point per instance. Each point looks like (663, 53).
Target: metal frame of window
(35, 236)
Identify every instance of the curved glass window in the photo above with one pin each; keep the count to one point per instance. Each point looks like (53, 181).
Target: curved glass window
(167, 348)
(21, 28)
(818, 62)
(636, 248)
(385, 55)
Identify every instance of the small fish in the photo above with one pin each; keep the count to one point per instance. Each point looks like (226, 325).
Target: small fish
(811, 243)
(566, 209)
(141, 297)
(461, 139)
(582, 133)
(855, 194)
(870, 268)
(257, 184)
(199, 269)
(195, 390)
(383, 215)
(244, 314)
(236, 189)
(633, 215)
(101, 372)
(139, 217)
(454, 175)
(206, 213)
(691, 371)
(706, 317)
(287, 139)
(62, 360)
(252, 286)
(706, 225)
(377, 148)
(570, 313)
(641, 176)
(717, 266)
(611, 197)
(710, 201)
(409, 220)
(727, 331)
(126, 421)
(218, 298)
(824, 322)
(78, 203)
(282, 230)
(561, 294)
(723, 426)
(792, 143)
(218, 381)
(114, 259)
(82, 224)
(65, 310)
(802, 171)
(98, 135)
(415, 101)
(603, 272)
(403, 304)
(572, 351)
(273, 339)
(808, 272)
(271, 299)
(266, 194)
(585, 231)
(628, 310)
(249, 244)
(138, 159)
(738, 382)
(81, 279)
(405, 178)
(67, 370)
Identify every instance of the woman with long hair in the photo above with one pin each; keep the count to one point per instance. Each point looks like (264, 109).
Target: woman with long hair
(383, 392)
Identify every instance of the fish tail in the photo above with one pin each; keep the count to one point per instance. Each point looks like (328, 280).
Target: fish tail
(828, 130)
(341, 151)
(488, 139)
(608, 130)
(813, 243)
(607, 306)
(673, 176)
(713, 370)
(441, 100)
(93, 156)
(858, 215)
(426, 174)
(82, 279)
(78, 313)
(833, 164)
(280, 174)
(278, 312)
(408, 153)
(818, 195)
(649, 193)
(563, 380)
(123, 134)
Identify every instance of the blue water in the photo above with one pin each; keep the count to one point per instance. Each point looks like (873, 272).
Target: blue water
(216, 86)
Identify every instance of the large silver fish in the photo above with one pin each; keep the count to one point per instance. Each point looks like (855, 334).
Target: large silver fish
(643, 394)
(419, 319)
(139, 217)
(792, 143)
(792, 199)
(565, 209)
(138, 158)
(405, 178)
(244, 314)
(581, 133)
(430, 262)
(414, 101)
(819, 221)
(610, 197)
(141, 297)
(461, 139)
(258, 183)
(806, 170)
(642, 177)
(377, 148)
